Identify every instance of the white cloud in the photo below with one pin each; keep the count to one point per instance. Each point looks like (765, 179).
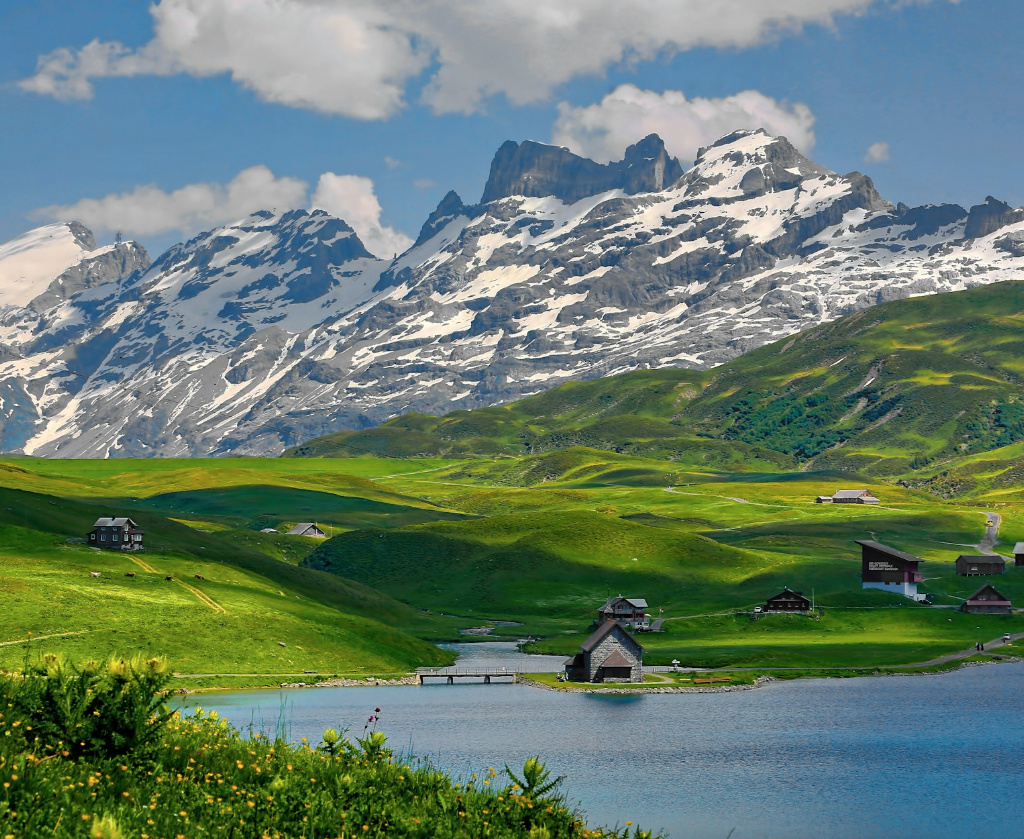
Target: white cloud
(877, 153)
(352, 198)
(149, 210)
(602, 131)
(356, 57)
(392, 162)
(424, 183)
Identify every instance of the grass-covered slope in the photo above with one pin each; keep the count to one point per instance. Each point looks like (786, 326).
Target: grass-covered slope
(254, 611)
(920, 388)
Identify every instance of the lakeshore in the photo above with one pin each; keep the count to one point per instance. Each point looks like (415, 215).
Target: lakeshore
(699, 764)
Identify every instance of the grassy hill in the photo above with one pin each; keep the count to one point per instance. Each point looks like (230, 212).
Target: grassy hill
(254, 612)
(926, 389)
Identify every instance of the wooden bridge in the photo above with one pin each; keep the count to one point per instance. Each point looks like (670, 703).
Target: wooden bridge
(450, 674)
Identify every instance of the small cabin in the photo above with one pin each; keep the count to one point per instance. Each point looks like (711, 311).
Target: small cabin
(117, 533)
(1018, 555)
(987, 601)
(854, 496)
(823, 499)
(307, 528)
(979, 565)
(787, 601)
(609, 655)
(627, 611)
(889, 569)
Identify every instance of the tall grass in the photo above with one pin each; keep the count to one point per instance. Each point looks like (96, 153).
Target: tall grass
(91, 750)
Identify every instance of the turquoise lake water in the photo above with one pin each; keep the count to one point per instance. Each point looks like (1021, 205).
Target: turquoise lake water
(900, 756)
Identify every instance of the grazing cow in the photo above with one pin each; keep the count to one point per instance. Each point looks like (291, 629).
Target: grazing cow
(130, 574)
(94, 573)
(169, 579)
(200, 577)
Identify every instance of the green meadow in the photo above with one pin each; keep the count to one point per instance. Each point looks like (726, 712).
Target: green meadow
(422, 548)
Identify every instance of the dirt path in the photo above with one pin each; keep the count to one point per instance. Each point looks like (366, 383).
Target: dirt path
(43, 637)
(991, 537)
(202, 597)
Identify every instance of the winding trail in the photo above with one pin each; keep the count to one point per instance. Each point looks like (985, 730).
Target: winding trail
(44, 637)
(202, 597)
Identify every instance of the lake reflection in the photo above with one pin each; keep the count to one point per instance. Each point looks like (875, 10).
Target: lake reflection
(921, 756)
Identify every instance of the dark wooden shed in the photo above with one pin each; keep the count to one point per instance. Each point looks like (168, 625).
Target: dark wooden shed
(979, 565)
(1018, 554)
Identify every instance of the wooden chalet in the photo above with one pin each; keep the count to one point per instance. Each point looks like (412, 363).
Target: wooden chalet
(1018, 555)
(609, 655)
(889, 569)
(627, 611)
(307, 528)
(979, 565)
(117, 533)
(788, 601)
(823, 499)
(987, 601)
(854, 496)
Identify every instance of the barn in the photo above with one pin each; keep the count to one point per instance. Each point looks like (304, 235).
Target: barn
(979, 565)
(307, 528)
(987, 601)
(854, 496)
(1018, 555)
(609, 655)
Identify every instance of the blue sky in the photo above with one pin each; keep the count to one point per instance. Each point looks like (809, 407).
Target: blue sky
(375, 109)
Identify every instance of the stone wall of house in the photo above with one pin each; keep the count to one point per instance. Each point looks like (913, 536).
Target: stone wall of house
(608, 645)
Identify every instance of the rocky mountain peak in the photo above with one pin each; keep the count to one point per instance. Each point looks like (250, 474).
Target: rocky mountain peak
(537, 170)
(990, 216)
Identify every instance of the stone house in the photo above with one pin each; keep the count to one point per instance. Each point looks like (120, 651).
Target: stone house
(611, 654)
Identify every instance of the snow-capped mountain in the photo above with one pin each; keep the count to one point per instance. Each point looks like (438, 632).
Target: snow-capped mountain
(275, 329)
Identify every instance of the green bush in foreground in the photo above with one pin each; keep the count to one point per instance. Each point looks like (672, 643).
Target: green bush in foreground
(91, 750)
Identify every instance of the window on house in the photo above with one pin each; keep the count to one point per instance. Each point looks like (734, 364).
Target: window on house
(92, 537)
(103, 537)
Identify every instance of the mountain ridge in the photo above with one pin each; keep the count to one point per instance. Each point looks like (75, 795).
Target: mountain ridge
(280, 327)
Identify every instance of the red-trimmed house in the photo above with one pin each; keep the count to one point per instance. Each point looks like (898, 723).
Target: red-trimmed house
(987, 601)
(626, 611)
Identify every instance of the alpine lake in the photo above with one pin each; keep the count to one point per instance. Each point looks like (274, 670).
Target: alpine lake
(928, 756)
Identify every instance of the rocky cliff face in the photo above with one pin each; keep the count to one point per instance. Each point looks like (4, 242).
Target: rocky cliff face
(263, 334)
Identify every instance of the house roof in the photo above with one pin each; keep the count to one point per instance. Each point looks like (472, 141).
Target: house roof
(575, 661)
(878, 546)
(789, 594)
(111, 521)
(617, 659)
(988, 587)
(302, 527)
(602, 632)
(1019, 548)
(852, 493)
(636, 602)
